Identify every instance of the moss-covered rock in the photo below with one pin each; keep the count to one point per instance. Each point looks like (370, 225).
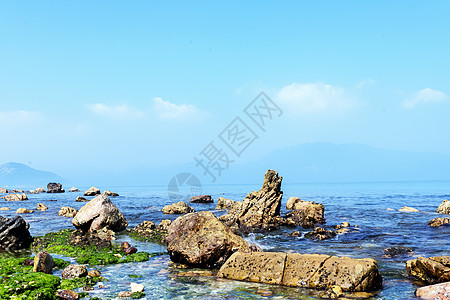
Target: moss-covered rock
(86, 248)
(29, 286)
(10, 266)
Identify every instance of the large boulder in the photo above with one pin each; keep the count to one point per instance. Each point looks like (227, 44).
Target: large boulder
(16, 197)
(430, 270)
(201, 240)
(439, 291)
(98, 213)
(14, 234)
(202, 199)
(43, 262)
(224, 203)
(436, 222)
(303, 270)
(177, 208)
(93, 191)
(311, 214)
(444, 208)
(53, 187)
(259, 210)
(38, 191)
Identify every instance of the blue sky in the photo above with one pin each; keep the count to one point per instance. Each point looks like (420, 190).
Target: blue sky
(90, 87)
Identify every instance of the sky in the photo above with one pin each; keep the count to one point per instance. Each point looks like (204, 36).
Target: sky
(112, 86)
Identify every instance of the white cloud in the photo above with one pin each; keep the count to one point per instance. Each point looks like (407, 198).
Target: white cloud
(122, 111)
(20, 116)
(315, 98)
(171, 111)
(425, 96)
(365, 83)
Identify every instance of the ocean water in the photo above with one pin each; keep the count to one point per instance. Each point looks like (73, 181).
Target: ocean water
(364, 204)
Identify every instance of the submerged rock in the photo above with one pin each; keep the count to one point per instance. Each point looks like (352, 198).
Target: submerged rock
(444, 208)
(398, 251)
(439, 291)
(14, 234)
(38, 191)
(224, 203)
(93, 191)
(43, 262)
(98, 213)
(177, 208)
(303, 270)
(430, 270)
(201, 240)
(53, 187)
(202, 199)
(16, 197)
(436, 222)
(260, 210)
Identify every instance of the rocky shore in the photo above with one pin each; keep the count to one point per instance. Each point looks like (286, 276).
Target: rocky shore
(199, 240)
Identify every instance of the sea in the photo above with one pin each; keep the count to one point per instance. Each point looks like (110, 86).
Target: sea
(372, 206)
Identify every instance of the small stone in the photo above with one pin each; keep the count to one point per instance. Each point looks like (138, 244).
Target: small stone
(28, 262)
(23, 211)
(81, 199)
(408, 209)
(74, 190)
(94, 273)
(125, 294)
(41, 207)
(67, 211)
(4, 208)
(68, 295)
(125, 245)
(110, 194)
(130, 250)
(136, 287)
(74, 271)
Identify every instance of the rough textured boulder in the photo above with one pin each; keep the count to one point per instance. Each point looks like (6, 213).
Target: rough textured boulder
(202, 199)
(81, 199)
(164, 225)
(110, 194)
(224, 203)
(260, 210)
(38, 191)
(178, 208)
(444, 208)
(74, 190)
(304, 270)
(14, 234)
(93, 191)
(74, 271)
(408, 209)
(436, 222)
(201, 240)
(53, 187)
(67, 211)
(41, 207)
(439, 291)
(320, 233)
(43, 262)
(311, 214)
(24, 211)
(295, 203)
(16, 197)
(430, 270)
(98, 213)
(396, 251)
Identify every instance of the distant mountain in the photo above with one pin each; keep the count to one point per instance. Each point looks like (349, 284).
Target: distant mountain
(16, 175)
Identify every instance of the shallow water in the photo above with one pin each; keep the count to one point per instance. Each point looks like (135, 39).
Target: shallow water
(364, 204)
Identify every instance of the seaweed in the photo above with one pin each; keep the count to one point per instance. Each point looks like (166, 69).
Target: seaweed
(33, 285)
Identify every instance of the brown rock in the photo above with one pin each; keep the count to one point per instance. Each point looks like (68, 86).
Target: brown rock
(130, 250)
(4, 208)
(74, 271)
(304, 270)
(94, 273)
(224, 203)
(320, 233)
(125, 245)
(93, 191)
(295, 203)
(43, 262)
(308, 217)
(202, 199)
(68, 295)
(439, 291)
(98, 213)
(436, 222)
(444, 208)
(178, 208)
(201, 240)
(164, 225)
(110, 194)
(260, 210)
(67, 211)
(81, 199)
(23, 211)
(16, 197)
(430, 270)
(41, 207)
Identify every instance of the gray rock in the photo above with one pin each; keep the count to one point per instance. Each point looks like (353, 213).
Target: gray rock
(202, 199)
(74, 271)
(53, 187)
(14, 234)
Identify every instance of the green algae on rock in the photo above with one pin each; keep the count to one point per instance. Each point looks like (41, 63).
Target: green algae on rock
(29, 286)
(10, 266)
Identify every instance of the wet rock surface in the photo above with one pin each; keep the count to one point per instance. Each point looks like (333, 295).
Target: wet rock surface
(67, 211)
(437, 222)
(54, 187)
(201, 240)
(430, 270)
(444, 207)
(73, 271)
(178, 208)
(14, 234)
(303, 270)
